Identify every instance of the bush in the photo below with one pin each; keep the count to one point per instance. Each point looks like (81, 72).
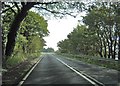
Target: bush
(16, 59)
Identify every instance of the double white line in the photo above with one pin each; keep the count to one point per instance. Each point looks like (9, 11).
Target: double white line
(89, 80)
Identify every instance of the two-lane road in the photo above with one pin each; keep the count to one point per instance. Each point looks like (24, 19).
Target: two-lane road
(51, 71)
(54, 69)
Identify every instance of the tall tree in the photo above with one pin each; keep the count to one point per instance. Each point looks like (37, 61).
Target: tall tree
(80, 41)
(15, 26)
(104, 24)
(33, 25)
(22, 11)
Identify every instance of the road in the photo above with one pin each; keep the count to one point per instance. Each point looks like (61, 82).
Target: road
(54, 69)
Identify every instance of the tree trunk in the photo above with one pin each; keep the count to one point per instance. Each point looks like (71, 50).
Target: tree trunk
(100, 43)
(105, 49)
(14, 28)
(109, 54)
(119, 48)
(111, 44)
(100, 49)
(114, 51)
(3, 49)
(108, 44)
(0, 46)
(3, 44)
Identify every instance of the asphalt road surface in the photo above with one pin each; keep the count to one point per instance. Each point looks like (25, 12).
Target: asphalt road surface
(52, 70)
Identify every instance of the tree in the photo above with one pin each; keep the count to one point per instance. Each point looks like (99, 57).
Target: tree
(7, 19)
(0, 46)
(101, 19)
(102, 32)
(22, 12)
(15, 26)
(49, 49)
(21, 42)
(36, 44)
(33, 25)
(80, 40)
(64, 46)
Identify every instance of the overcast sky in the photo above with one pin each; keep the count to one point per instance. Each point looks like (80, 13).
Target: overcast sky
(59, 29)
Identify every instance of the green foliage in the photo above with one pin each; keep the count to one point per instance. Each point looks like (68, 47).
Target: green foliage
(108, 63)
(20, 57)
(7, 19)
(20, 42)
(49, 49)
(64, 46)
(29, 40)
(34, 24)
(102, 20)
(79, 41)
(16, 59)
(36, 44)
(100, 34)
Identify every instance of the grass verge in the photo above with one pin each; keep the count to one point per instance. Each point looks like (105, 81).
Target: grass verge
(17, 67)
(108, 63)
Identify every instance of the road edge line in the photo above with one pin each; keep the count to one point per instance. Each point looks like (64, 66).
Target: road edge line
(29, 72)
(78, 72)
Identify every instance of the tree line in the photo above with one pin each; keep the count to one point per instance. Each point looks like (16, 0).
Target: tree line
(100, 34)
(23, 30)
(49, 49)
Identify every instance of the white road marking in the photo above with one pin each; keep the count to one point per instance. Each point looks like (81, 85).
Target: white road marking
(92, 82)
(26, 76)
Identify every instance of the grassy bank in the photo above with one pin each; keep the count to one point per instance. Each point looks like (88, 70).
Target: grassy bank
(17, 67)
(20, 57)
(108, 63)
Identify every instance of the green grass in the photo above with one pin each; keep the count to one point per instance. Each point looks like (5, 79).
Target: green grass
(16, 59)
(112, 64)
(20, 57)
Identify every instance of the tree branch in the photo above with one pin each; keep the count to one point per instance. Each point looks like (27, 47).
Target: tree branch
(16, 5)
(22, 3)
(46, 3)
(9, 8)
(55, 12)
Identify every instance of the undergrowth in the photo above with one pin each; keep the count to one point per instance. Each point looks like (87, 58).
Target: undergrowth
(21, 57)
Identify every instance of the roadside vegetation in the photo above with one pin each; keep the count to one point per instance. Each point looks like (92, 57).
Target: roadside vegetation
(24, 27)
(98, 36)
(29, 40)
(28, 45)
(107, 63)
(49, 49)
